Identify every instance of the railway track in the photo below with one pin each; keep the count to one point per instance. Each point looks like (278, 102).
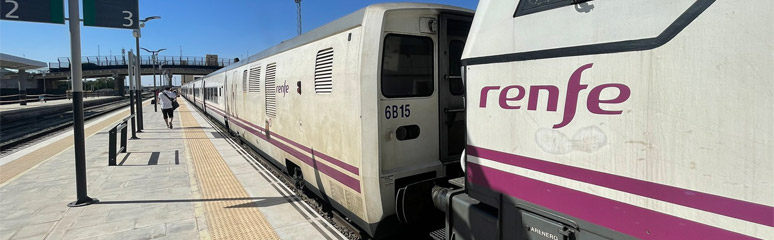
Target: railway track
(19, 134)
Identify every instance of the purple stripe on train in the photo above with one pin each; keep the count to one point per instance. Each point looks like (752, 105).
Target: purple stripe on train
(743, 210)
(324, 156)
(350, 182)
(628, 219)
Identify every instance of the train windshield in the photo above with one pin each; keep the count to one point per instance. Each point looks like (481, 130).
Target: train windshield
(407, 66)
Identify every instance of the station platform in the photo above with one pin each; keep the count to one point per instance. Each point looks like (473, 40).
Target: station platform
(50, 103)
(189, 182)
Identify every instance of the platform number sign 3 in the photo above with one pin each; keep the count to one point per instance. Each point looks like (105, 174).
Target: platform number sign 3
(43, 11)
(111, 13)
(129, 21)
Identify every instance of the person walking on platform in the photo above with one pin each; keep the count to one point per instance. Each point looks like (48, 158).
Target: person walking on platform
(168, 105)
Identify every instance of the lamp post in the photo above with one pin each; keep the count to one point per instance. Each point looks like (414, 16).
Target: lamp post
(130, 72)
(154, 57)
(78, 132)
(137, 34)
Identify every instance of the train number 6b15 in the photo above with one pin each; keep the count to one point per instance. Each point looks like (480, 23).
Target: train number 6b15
(397, 111)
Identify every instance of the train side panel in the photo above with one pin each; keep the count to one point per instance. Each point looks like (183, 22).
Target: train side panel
(310, 121)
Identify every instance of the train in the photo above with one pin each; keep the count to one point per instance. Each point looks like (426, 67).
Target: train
(617, 120)
(556, 119)
(353, 109)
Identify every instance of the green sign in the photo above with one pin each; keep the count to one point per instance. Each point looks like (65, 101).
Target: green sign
(44, 11)
(111, 13)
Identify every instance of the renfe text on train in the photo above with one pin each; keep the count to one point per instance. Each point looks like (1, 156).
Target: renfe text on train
(574, 87)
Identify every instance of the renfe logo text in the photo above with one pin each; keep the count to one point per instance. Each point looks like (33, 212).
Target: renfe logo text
(508, 101)
(283, 88)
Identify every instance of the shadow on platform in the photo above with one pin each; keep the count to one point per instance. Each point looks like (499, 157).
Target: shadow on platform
(153, 159)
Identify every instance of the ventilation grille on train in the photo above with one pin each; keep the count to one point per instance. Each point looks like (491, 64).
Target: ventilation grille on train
(323, 71)
(255, 80)
(244, 81)
(271, 99)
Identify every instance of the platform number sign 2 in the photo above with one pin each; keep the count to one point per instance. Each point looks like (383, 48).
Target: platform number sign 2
(43, 11)
(111, 13)
(10, 14)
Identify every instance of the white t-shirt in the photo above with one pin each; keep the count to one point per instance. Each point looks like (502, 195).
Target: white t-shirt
(165, 102)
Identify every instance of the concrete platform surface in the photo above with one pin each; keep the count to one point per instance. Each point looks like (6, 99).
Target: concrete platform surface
(167, 186)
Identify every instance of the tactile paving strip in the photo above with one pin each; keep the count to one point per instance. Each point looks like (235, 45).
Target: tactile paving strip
(226, 219)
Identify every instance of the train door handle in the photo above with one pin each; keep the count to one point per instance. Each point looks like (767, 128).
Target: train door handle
(453, 110)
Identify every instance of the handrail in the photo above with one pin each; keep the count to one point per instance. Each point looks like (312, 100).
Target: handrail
(112, 151)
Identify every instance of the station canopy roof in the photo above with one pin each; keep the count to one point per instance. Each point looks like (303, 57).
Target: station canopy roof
(19, 63)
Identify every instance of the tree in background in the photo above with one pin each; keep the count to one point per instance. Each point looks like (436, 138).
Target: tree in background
(99, 83)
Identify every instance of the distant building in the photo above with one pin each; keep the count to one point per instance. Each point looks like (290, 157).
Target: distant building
(211, 59)
(189, 78)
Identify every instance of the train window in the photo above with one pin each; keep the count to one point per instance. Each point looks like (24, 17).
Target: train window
(533, 6)
(254, 84)
(213, 93)
(323, 71)
(244, 81)
(407, 66)
(271, 100)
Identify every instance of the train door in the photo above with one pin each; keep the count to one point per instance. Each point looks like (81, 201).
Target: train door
(408, 104)
(234, 84)
(226, 97)
(204, 95)
(452, 32)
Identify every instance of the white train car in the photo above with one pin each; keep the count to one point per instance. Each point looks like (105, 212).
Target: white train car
(618, 120)
(360, 110)
(207, 94)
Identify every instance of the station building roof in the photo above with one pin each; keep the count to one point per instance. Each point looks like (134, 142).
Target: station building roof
(19, 63)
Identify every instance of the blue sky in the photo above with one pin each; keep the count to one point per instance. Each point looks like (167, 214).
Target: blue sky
(228, 28)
